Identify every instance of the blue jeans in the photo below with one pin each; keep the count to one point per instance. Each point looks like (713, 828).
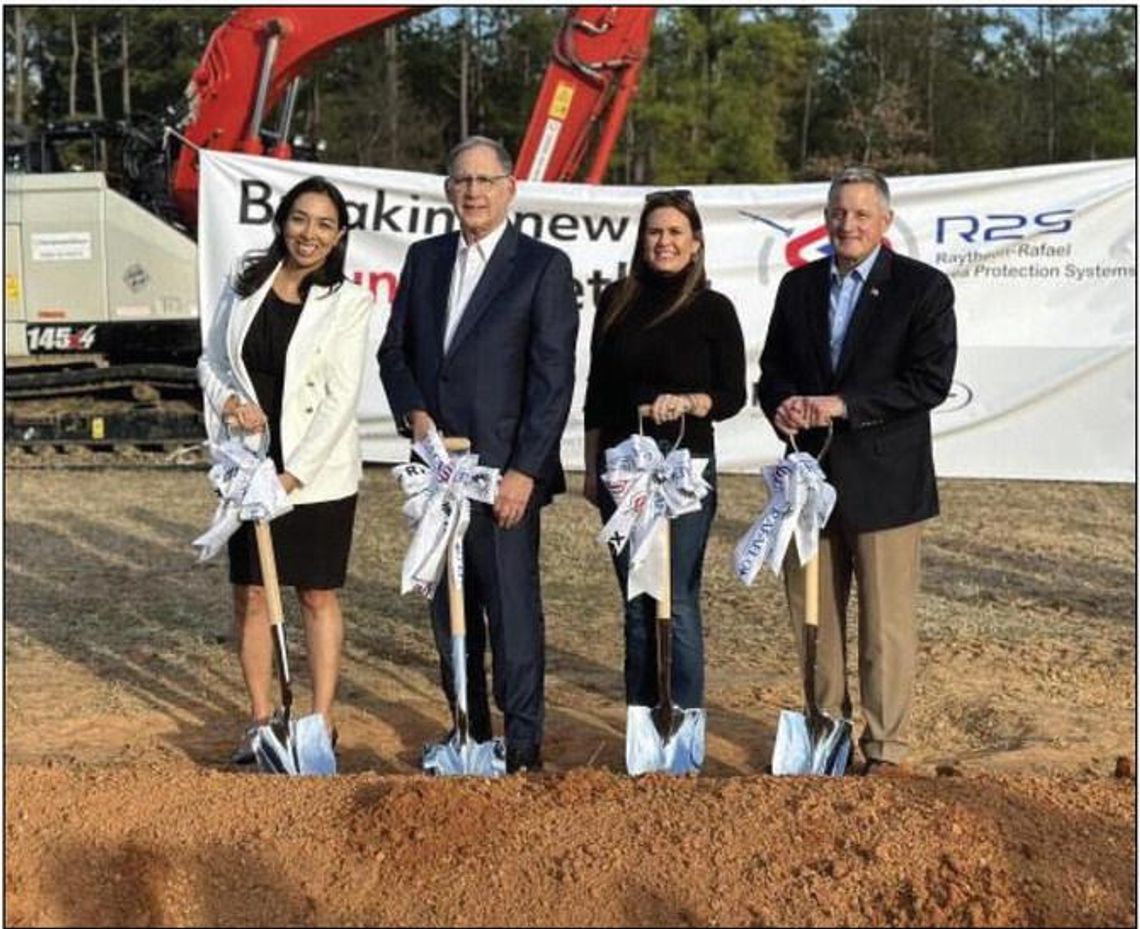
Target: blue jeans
(688, 537)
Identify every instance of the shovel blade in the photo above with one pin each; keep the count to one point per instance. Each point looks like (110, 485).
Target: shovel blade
(314, 746)
(459, 757)
(798, 751)
(647, 751)
(304, 748)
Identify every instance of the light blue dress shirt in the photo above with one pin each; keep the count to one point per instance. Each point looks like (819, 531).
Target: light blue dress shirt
(842, 300)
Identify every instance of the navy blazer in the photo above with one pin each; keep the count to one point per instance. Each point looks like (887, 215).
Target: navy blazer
(507, 378)
(895, 366)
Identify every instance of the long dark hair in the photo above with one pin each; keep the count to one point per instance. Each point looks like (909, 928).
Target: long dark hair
(630, 286)
(258, 265)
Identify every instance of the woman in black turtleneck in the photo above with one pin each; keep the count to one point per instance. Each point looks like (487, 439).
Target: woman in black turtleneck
(662, 337)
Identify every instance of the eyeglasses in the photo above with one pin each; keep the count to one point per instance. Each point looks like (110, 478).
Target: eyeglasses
(476, 181)
(666, 196)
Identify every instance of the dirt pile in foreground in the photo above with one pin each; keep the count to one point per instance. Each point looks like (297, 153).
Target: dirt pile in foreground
(123, 699)
(164, 845)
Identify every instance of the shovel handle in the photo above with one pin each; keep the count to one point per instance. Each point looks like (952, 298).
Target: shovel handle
(645, 409)
(454, 584)
(811, 632)
(811, 592)
(269, 572)
(276, 612)
(663, 712)
(665, 604)
(455, 607)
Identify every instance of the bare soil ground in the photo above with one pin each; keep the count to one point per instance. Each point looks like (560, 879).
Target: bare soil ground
(123, 699)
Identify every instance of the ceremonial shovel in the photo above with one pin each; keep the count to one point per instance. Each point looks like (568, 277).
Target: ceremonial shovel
(664, 737)
(460, 754)
(814, 743)
(811, 743)
(283, 746)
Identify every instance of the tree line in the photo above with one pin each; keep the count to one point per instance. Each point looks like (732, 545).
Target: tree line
(728, 94)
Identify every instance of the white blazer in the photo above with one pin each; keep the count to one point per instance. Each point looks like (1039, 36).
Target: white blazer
(320, 442)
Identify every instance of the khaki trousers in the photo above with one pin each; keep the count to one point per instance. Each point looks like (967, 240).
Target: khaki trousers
(885, 566)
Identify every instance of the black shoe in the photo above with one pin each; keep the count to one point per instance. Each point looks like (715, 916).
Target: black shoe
(523, 759)
(243, 754)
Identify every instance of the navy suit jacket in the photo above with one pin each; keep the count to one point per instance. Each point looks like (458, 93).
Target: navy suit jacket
(507, 378)
(896, 364)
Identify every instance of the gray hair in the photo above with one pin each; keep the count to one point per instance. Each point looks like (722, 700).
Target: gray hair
(476, 141)
(860, 174)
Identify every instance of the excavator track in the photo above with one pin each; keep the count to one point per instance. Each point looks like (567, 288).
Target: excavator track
(103, 417)
(100, 380)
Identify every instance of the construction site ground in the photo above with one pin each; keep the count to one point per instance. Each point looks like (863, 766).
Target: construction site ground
(123, 700)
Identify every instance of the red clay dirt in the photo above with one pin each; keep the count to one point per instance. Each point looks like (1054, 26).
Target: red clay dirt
(122, 700)
(158, 845)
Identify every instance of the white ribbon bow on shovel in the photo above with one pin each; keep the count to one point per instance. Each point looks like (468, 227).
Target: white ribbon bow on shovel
(648, 487)
(800, 502)
(249, 489)
(439, 508)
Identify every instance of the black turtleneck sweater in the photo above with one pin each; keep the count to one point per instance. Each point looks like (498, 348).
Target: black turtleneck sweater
(699, 349)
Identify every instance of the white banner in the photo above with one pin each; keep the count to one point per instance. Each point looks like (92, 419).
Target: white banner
(1043, 262)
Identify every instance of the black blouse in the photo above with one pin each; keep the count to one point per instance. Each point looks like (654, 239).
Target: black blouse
(263, 352)
(699, 349)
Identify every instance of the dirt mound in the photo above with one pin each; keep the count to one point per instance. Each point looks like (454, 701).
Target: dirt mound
(193, 847)
(123, 699)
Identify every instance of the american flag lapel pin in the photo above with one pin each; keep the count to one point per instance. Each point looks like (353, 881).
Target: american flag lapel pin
(874, 291)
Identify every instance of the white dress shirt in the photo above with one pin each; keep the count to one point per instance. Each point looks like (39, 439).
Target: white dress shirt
(470, 263)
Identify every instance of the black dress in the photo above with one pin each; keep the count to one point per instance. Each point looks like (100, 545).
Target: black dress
(310, 542)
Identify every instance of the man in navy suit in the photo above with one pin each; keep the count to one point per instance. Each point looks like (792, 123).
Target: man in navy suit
(481, 344)
(864, 341)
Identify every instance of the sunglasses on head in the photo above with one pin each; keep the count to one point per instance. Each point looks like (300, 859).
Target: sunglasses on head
(666, 196)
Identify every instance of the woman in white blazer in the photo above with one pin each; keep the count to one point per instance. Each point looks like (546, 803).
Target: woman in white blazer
(286, 353)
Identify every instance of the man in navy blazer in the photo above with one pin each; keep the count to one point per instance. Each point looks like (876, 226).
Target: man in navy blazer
(481, 344)
(864, 341)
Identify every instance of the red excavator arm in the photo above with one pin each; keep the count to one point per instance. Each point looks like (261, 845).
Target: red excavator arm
(586, 91)
(250, 61)
(259, 53)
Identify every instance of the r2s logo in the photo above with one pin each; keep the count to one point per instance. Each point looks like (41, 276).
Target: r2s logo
(994, 227)
(60, 338)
